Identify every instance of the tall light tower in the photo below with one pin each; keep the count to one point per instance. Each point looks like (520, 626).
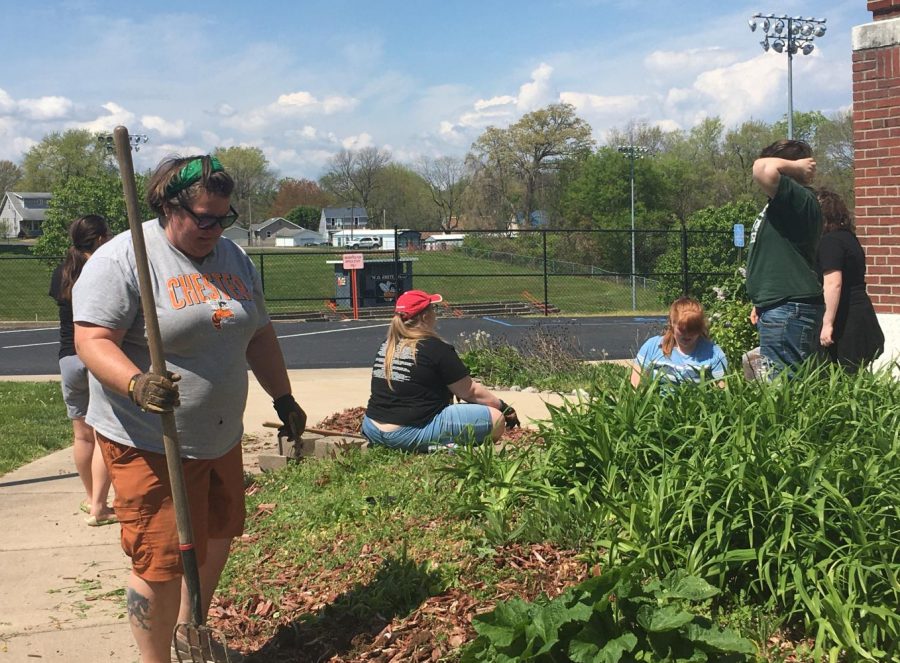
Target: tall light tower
(633, 152)
(793, 34)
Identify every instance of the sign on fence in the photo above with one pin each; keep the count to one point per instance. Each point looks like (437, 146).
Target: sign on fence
(739, 235)
(353, 260)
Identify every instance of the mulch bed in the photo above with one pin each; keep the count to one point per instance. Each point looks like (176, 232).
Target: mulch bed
(315, 620)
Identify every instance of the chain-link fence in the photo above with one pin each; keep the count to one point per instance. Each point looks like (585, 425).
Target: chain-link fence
(543, 271)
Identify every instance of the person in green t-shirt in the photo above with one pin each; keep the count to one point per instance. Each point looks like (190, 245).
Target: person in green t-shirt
(782, 280)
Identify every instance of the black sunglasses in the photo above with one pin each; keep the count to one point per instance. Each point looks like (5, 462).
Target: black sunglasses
(207, 221)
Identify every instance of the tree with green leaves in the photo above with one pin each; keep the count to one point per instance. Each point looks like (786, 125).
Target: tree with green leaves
(403, 199)
(305, 216)
(86, 195)
(710, 250)
(61, 156)
(254, 180)
(10, 176)
(533, 148)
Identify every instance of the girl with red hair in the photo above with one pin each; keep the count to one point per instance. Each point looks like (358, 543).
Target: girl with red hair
(684, 352)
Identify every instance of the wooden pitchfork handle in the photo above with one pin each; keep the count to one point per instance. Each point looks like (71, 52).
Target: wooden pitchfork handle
(158, 367)
(318, 431)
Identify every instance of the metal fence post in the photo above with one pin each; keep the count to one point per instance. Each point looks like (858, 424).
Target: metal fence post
(262, 272)
(546, 293)
(685, 278)
(397, 259)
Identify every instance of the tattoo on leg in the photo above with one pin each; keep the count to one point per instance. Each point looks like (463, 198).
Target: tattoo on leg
(138, 609)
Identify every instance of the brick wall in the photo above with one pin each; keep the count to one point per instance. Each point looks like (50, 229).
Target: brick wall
(876, 137)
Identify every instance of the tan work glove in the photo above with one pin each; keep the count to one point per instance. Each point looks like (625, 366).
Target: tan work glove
(154, 393)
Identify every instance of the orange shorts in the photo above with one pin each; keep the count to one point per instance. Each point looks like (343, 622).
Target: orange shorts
(146, 512)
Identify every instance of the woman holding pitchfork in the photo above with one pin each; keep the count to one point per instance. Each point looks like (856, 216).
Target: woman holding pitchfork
(195, 274)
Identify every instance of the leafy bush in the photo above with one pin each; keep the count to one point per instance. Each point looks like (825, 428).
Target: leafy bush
(542, 358)
(784, 493)
(712, 251)
(728, 311)
(612, 617)
(86, 195)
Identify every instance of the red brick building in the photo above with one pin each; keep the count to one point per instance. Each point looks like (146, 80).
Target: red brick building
(876, 137)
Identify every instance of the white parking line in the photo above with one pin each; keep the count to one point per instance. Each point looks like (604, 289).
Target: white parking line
(19, 331)
(29, 345)
(332, 331)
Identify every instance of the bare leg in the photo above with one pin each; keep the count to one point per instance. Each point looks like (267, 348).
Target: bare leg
(217, 551)
(83, 451)
(152, 612)
(100, 483)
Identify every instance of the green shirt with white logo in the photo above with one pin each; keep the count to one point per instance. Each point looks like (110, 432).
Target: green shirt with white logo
(781, 264)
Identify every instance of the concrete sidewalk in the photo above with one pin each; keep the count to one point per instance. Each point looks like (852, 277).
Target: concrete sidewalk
(61, 582)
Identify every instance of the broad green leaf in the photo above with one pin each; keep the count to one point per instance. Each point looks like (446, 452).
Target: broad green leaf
(666, 618)
(691, 588)
(723, 640)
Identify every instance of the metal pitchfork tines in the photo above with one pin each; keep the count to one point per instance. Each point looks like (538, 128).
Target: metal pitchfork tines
(201, 644)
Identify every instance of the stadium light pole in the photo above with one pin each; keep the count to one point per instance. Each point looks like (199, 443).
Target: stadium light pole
(633, 152)
(793, 34)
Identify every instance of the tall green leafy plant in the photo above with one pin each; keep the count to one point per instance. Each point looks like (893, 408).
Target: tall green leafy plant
(784, 493)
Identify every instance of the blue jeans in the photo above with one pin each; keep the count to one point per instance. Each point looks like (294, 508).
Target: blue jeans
(788, 334)
(455, 424)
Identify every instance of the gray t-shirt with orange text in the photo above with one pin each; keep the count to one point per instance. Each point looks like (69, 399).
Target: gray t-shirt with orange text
(208, 311)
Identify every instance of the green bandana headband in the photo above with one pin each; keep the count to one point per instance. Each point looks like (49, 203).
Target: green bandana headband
(191, 174)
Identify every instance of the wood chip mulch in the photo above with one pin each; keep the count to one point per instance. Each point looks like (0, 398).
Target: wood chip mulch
(314, 618)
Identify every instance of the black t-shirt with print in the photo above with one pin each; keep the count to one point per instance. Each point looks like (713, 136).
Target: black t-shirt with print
(419, 386)
(66, 326)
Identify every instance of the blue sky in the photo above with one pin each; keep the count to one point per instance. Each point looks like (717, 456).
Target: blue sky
(303, 78)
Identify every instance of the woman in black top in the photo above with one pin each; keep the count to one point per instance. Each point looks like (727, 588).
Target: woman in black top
(850, 333)
(85, 235)
(414, 379)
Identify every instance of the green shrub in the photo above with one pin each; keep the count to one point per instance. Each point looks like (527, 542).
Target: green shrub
(786, 494)
(728, 311)
(612, 617)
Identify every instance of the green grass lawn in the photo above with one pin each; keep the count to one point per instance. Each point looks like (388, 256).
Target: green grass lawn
(303, 280)
(33, 422)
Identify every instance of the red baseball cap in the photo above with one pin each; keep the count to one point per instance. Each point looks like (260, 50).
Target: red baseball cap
(413, 302)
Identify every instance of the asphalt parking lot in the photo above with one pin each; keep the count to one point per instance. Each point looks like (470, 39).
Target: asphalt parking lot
(353, 344)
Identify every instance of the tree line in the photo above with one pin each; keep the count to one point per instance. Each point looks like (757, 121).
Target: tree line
(546, 161)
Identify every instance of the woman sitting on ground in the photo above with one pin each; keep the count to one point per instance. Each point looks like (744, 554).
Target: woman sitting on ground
(684, 353)
(414, 379)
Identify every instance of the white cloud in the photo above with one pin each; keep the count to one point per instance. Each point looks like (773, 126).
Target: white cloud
(46, 108)
(7, 103)
(116, 115)
(357, 142)
(163, 127)
(669, 62)
(504, 100)
(590, 104)
(537, 92)
(289, 106)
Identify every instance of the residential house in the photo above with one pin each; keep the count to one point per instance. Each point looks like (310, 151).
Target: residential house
(334, 219)
(297, 237)
(238, 234)
(23, 214)
(444, 241)
(263, 234)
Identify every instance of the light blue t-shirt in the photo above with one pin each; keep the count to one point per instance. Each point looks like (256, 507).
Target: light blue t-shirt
(707, 357)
